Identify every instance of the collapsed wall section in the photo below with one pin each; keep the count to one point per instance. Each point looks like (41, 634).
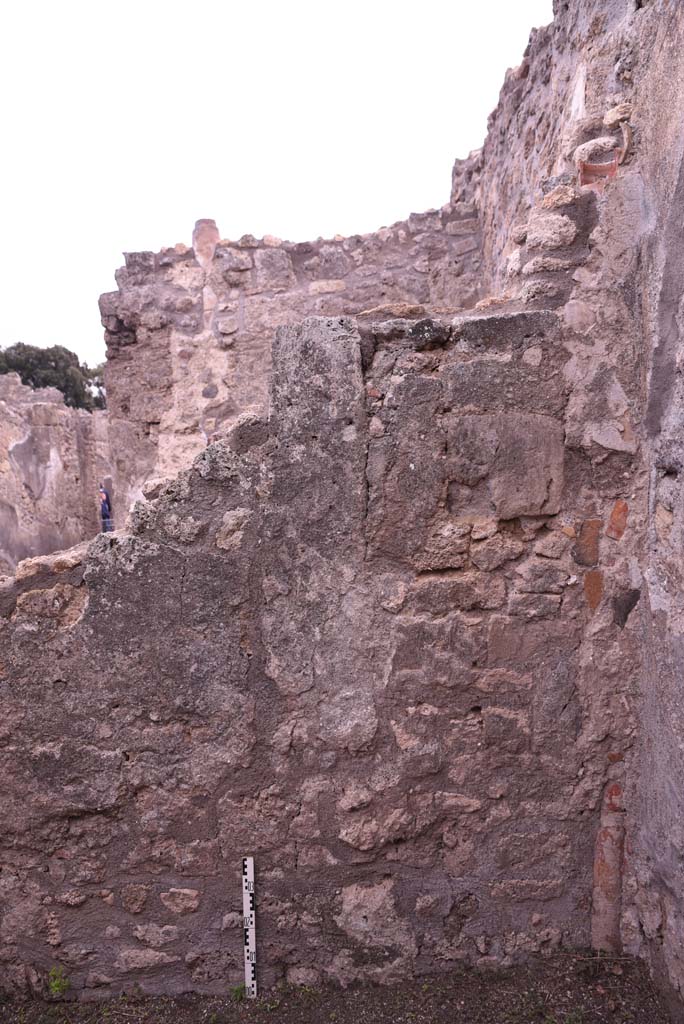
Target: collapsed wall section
(189, 330)
(366, 641)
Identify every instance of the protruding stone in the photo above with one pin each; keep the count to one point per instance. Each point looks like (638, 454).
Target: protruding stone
(593, 150)
(325, 287)
(550, 230)
(181, 901)
(492, 553)
(561, 195)
(205, 238)
(230, 533)
(617, 114)
(134, 898)
(140, 959)
(552, 544)
(156, 935)
(369, 916)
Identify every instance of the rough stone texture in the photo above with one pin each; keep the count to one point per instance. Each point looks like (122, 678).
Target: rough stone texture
(189, 330)
(339, 650)
(415, 639)
(554, 101)
(188, 344)
(52, 460)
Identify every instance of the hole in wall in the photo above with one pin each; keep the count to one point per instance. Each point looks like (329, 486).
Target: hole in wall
(623, 605)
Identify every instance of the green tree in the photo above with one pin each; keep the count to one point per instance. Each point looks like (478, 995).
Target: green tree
(56, 367)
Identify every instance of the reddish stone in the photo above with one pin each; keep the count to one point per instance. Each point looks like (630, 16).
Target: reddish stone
(613, 797)
(617, 524)
(593, 588)
(586, 550)
(615, 756)
(608, 859)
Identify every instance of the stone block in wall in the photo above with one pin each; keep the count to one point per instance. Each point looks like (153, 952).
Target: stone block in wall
(405, 471)
(429, 221)
(469, 226)
(509, 464)
(494, 385)
(550, 230)
(328, 263)
(326, 286)
(274, 270)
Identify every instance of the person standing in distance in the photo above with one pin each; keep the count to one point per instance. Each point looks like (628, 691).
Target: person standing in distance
(107, 523)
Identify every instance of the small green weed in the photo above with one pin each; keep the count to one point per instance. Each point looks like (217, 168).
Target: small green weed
(238, 992)
(58, 983)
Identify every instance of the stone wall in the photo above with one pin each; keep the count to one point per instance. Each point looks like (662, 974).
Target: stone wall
(654, 886)
(52, 459)
(189, 336)
(414, 638)
(574, 70)
(623, 82)
(189, 330)
(358, 641)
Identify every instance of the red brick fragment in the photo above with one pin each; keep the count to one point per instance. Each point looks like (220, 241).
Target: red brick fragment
(617, 524)
(586, 550)
(608, 860)
(593, 588)
(613, 797)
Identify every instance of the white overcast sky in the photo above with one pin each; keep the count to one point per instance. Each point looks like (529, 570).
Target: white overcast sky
(125, 121)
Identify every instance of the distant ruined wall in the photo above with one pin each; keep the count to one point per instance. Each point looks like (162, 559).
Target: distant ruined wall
(50, 459)
(189, 331)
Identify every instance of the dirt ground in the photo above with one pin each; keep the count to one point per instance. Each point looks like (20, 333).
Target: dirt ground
(566, 989)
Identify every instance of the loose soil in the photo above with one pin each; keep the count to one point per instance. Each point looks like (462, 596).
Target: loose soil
(564, 989)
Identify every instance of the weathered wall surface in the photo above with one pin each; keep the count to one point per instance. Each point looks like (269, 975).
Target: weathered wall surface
(415, 641)
(654, 889)
(50, 458)
(358, 641)
(189, 331)
(189, 337)
(573, 71)
(623, 305)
